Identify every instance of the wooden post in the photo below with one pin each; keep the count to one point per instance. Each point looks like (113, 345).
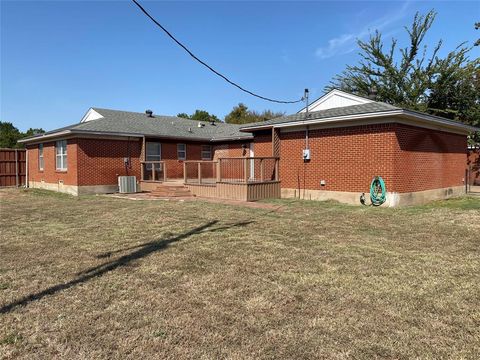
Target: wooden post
(16, 167)
(144, 158)
(184, 172)
(153, 171)
(164, 171)
(219, 176)
(276, 169)
(199, 172)
(245, 169)
(262, 166)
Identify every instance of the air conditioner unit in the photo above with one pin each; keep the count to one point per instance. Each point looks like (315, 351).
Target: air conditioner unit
(127, 184)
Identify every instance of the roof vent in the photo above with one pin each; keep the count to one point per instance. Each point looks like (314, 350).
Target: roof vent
(212, 122)
(189, 129)
(200, 125)
(149, 113)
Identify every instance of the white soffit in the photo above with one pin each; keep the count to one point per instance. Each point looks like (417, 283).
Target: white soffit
(336, 99)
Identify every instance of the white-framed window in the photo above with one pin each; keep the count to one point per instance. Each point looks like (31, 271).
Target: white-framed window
(41, 162)
(182, 151)
(154, 151)
(61, 155)
(206, 152)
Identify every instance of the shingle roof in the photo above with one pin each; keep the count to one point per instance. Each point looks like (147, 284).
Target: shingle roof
(133, 123)
(368, 108)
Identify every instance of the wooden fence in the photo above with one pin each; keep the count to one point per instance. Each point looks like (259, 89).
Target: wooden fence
(12, 167)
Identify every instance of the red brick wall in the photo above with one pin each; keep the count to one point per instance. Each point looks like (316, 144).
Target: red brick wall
(408, 158)
(346, 158)
(230, 150)
(101, 161)
(232, 169)
(49, 173)
(262, 145)
(173, 165)
(473, 164)
(428, 159)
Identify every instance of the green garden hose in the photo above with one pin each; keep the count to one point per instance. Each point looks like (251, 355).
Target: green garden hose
(378, 191)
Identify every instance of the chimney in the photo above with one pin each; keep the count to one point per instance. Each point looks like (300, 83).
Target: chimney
(149, 113)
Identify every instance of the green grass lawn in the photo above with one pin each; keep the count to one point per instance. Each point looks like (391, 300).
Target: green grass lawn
(104, 278)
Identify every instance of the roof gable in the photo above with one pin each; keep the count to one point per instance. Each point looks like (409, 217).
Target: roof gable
(91, 114)
(335, 99)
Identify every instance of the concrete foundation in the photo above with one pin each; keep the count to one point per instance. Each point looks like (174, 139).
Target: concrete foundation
(393, 199)
(73, 189)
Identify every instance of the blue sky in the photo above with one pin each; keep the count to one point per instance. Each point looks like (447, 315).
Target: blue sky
(58, 58)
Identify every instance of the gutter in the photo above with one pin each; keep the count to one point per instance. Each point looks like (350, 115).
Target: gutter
(324, 120)
(41, 138)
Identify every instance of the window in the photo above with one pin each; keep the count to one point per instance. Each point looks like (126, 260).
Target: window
(61, 155)
(154, 151)
(182, 151)
(40, 157)
(206, 152)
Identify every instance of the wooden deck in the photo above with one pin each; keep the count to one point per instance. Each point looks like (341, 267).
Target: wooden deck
(245, 179)
(237, 191)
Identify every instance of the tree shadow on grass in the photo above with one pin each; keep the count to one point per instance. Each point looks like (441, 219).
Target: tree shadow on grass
(142, 251)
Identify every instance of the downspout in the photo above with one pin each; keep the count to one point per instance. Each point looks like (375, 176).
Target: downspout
(26, 167)
(306, 142)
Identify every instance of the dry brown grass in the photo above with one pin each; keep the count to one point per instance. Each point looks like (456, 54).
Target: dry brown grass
(95, 277)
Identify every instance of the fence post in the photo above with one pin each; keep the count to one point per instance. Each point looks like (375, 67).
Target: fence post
(245, 169)
(16, 167)
(276, 169)
(26, 168)
(467, 180)
(219, 176)
(199, 173)
(261, 169)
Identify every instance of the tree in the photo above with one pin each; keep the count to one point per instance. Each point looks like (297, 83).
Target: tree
(477, 26)
(9, 135)
(200, 115)
(183, 115)
(408, 78)
(241, 115)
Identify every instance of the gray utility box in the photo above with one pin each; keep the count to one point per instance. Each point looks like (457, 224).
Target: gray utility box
(127, 184)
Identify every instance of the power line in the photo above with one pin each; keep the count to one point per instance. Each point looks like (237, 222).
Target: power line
(208, 66)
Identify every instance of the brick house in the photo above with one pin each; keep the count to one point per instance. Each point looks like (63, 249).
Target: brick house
(348, 140)
(88, 157)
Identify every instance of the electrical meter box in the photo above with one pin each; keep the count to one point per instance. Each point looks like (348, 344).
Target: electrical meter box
(306, 154)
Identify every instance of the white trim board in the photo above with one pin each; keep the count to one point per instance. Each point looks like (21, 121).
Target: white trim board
(418, 119)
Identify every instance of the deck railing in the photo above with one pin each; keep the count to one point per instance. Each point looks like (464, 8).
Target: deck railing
(200, 172)
(233, 170)
(154, 171)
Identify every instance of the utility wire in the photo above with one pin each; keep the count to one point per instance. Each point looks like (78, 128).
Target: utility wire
(208, 66)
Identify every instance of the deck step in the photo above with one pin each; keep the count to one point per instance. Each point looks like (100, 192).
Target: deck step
(171, 190)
